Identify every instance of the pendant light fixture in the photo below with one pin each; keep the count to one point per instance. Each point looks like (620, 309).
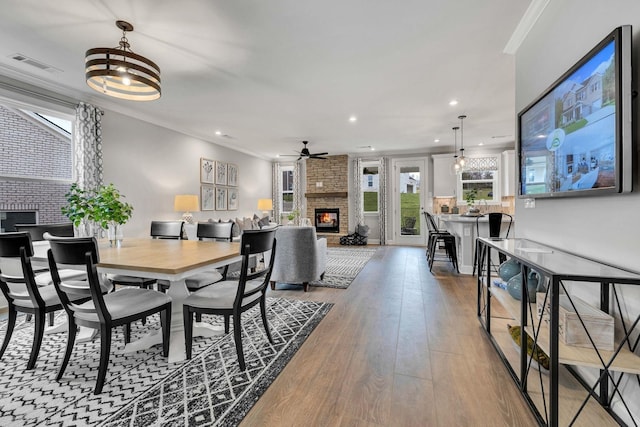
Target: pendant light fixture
(120, 73)
(462, 161)
(456, 165)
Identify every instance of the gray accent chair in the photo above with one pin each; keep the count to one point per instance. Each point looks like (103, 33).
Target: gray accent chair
(301, 256)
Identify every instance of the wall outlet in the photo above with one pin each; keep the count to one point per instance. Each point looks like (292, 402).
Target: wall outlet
(319, 184)
(529, 203)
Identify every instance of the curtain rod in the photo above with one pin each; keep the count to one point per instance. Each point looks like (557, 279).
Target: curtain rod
(38, 95)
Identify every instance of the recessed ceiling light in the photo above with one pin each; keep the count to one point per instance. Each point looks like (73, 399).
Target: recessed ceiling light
(482, 143)
(436, 140)
(373, 149)
(353, 119)
(218, 133)
(453, 102)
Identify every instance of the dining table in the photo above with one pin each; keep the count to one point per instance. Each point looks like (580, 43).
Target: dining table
(169, 260)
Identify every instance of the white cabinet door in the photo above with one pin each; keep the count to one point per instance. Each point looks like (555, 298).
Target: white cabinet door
(509, 173)
(444, 181)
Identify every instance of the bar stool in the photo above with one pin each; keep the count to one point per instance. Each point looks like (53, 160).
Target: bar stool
(442, 238)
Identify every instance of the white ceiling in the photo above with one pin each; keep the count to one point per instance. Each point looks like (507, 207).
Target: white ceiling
(268, 74)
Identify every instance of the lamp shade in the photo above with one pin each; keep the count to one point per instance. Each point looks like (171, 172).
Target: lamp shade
(265, 205)
(185, 203)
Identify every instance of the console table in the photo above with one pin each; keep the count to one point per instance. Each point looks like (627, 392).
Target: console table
(582, 384)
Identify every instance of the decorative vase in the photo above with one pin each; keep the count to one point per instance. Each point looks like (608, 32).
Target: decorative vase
(455, 210)
(508, 269)
(514, 286)
(115, 235)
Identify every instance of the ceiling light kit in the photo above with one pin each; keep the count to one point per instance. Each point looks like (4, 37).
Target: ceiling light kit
(461, 159)
(120, 73)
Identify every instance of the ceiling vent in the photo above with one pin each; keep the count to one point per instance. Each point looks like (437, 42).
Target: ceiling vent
(34, 63)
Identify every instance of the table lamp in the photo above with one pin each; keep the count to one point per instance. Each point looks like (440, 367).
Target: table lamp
(265, 205)
(186, 203)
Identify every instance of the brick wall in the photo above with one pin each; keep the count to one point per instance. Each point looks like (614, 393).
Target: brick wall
(334, 175)
(29, 150)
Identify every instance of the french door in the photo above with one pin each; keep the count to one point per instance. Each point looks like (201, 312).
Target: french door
(409, 192)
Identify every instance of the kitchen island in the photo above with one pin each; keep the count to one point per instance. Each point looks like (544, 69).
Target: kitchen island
(464, 228)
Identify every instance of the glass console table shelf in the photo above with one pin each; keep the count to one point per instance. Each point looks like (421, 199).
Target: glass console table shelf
(582, 383)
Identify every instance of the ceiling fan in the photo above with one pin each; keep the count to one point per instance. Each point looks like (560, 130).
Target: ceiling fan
(304, 153)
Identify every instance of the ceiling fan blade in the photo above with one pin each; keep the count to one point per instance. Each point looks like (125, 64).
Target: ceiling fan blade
(319, 154)
(315, 156)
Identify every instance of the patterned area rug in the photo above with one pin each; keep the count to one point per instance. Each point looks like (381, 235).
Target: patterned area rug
(343, 265)
(142, 388)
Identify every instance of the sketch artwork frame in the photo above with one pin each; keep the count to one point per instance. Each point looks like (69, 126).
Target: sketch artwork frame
(221, 173)
(233, 199)
(221, 199)
(232, 174)
(207, 168)
(207, 197)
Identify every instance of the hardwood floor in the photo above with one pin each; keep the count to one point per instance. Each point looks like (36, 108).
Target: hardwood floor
(401, 347)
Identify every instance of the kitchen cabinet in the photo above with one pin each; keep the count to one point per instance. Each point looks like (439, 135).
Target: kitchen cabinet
(444, 180)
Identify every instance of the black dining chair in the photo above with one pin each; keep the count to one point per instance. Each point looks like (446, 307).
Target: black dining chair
(102, 312)
(495, 232)
(37, 230)
(438, 237)
(23, 295)
(231, 298)
(207, 231)
(159, 230)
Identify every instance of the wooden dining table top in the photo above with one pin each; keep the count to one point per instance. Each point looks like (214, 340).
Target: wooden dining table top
(166, 256)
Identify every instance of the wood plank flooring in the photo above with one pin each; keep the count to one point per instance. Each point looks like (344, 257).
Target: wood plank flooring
(401, 347)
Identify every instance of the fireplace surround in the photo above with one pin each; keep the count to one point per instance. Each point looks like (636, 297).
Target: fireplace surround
(327, 220)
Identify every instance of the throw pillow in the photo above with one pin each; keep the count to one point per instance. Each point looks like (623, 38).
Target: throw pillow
(362, 229)
(263, 222)
(240, 225)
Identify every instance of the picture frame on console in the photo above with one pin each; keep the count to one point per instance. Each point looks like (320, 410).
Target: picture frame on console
(206, 198)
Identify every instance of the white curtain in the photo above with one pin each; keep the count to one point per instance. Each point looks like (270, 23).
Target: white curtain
(88, 146)
(276, 189)
(358, 208)
(383, 180)
(298, 192)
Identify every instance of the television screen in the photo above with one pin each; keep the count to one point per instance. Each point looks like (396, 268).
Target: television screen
(576, 138)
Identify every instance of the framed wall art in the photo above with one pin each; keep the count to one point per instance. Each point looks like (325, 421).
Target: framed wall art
(206, 171)
(221, 199)
(233, 198)
(232, 174)
(206, 197)
(221, 173)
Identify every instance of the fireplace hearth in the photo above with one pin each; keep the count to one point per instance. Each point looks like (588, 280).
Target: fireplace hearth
(327, 220)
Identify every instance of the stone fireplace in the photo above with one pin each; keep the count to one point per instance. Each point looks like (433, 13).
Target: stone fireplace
(327, 188)
(327, 220)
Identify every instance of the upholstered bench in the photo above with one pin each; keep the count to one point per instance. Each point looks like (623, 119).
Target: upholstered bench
(359, 238)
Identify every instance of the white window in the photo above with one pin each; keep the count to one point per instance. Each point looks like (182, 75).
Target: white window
(286, 192)
(482, 175)
(370, 187)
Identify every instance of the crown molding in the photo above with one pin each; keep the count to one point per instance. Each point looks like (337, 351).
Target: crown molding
(527, 22)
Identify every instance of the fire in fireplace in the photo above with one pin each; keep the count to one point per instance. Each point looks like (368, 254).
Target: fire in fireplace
(327, 220)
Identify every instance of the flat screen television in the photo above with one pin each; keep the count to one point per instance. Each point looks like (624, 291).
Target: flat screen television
(576, 138)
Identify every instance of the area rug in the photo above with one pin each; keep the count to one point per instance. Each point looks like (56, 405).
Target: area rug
(142, 388)
(343, 265)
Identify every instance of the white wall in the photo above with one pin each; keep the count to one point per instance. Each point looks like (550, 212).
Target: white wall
(604, 228)
(150, 165)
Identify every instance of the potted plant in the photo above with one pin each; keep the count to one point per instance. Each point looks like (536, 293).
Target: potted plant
(79, 210)
(111, 212)
(293, 215)
(471, 196)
